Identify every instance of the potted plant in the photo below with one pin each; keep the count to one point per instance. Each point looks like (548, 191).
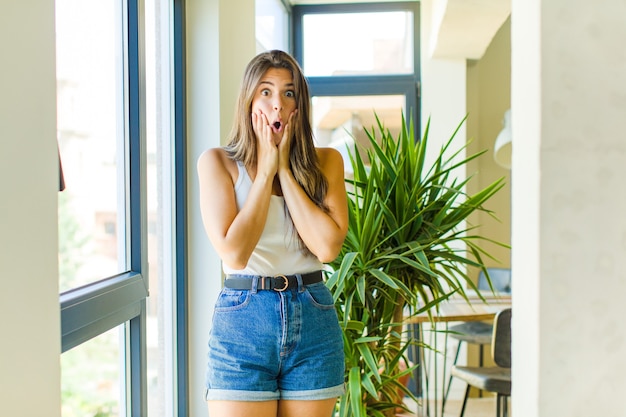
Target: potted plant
(401, 256)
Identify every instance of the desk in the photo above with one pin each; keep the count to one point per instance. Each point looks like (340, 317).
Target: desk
(458, 309)
(453, 310)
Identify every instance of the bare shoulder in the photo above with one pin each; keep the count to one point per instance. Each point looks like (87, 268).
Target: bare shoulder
(329, 158)
(216, 160)
(213, 155)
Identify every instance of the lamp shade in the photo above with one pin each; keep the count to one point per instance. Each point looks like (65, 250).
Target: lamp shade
(503, 146)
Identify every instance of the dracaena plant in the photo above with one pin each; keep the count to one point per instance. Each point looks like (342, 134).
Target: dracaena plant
(408, 248)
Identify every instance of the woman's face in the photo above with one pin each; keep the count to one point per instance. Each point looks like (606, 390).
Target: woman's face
(275, 97)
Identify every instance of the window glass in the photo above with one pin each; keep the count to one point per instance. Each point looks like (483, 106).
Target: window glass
(90, 133)
(271, 25)
(159, 144)
(340, 121)
(92, 375)
(358, 43)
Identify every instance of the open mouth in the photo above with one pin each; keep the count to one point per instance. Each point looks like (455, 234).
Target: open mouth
(277, 125)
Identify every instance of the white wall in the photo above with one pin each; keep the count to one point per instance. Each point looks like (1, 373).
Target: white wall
(444, 102)
(220, 42)
(489, 96)
(569, 227)
(29, 300)
(525, 225)
(443, 86)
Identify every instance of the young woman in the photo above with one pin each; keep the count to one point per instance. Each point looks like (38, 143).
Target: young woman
(275, 209)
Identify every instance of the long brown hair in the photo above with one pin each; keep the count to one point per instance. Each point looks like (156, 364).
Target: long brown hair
(242, 142)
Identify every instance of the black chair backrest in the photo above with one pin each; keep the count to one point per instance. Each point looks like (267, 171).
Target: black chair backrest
(501, 346)
(500, 279)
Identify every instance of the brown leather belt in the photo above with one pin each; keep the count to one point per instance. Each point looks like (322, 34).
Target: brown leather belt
(276, 283)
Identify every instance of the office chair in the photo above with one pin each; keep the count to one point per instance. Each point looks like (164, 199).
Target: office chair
(479, 332)
(495, 378)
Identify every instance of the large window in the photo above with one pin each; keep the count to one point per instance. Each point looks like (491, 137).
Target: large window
(91, 134)
(362, 61)
(357, 43)
(121, 268)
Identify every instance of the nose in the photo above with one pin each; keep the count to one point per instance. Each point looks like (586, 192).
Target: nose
(278, 103)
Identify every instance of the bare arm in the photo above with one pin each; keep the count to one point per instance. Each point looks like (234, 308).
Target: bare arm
(233, 234)
(323, 233)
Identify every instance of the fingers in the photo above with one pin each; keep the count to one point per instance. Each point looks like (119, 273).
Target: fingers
(288, 133)
(285, 142)
(261, 127)
(267, 151)
(273, 145)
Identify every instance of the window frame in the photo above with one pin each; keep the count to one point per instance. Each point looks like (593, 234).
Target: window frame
(357, 85)
(93, 309)
(181, 361)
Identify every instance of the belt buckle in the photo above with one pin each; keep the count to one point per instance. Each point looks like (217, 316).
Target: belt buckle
(285, 280)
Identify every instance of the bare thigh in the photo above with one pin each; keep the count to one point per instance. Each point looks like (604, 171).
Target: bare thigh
(306, 408)
(283, 408)
(242, 408)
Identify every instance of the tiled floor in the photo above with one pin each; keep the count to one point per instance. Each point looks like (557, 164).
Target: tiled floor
(476, 407)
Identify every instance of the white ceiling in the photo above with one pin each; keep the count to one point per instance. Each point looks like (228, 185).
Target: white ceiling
(465, 28)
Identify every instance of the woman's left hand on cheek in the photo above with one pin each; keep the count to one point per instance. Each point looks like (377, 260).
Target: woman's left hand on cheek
(285, 142)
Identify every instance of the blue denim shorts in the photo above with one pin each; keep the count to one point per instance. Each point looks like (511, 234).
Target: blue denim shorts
(267, 345)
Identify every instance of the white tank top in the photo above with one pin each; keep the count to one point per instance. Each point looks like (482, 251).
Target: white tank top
(277, 251)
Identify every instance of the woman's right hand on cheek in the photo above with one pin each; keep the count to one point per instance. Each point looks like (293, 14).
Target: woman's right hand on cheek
(267, 151)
